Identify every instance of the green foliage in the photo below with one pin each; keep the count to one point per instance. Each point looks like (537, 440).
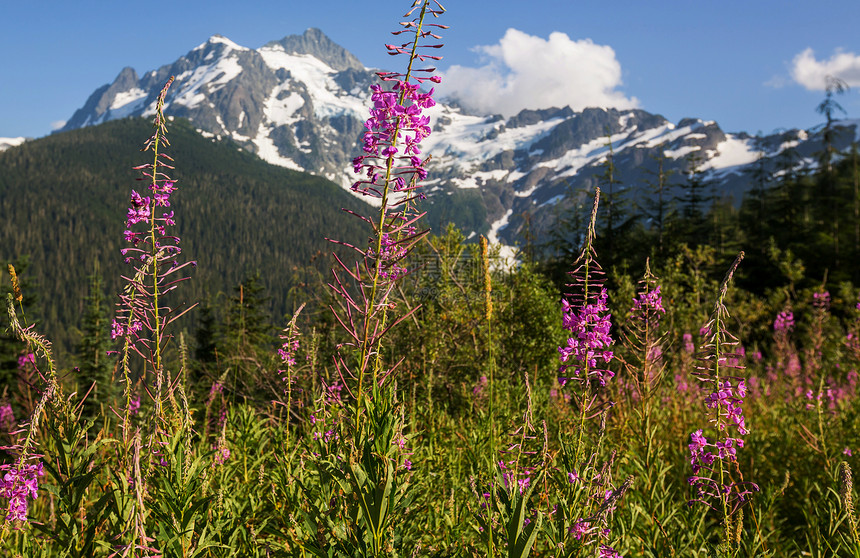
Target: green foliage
(63, 203)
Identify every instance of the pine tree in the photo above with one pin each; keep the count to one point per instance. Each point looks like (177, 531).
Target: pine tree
(615, 242)
(205, 351)
(94, 367)
(828, 107)
(609, 182)
(761, 179)
(657, 210)
(693, 200)
(247, 338)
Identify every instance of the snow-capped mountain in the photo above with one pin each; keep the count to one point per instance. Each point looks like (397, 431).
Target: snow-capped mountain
(301, 103)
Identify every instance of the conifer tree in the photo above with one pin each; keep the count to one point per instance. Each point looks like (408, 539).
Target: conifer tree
(693, 200)
(609, 182)
(619, 221)
(828, 108)
(247, 337)
(95, 368)
(657, 209)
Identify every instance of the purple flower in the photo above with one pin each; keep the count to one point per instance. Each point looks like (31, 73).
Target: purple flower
(134, 405)
(580, 529)
(589, 341)
(821, 300)
(391, 254)
(688, 343)
(396, 117)
(287, 352)
(648, 302)
(609, 552)
(784, 322)
(19, 483)
(222, 454)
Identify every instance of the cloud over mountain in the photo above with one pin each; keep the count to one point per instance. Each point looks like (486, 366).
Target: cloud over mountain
(811, 73)
(523, 71)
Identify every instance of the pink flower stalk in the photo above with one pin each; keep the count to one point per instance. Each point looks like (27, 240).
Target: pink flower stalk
(713, 461)
(650, 302)
(589, 342)
(784, 321)
(18, 484)
(821, 300)
(391, 170)
(222, 454)
(689, 347)
(153, 251)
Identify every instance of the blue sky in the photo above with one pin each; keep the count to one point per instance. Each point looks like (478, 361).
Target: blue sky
(750, 65)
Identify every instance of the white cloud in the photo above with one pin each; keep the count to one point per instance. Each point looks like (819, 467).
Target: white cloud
(812, 73)
(524, 71)
(57, 124)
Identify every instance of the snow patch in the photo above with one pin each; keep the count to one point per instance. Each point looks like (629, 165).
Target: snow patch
(268, 151)
(682, 151)
(467, 183)
(507, 253)
(572, 161)
(553, 200)
(327, 96)
(732, 152)
(282, 112)
(123, 99)
(464, 140)
(218, 39)
(213, 77)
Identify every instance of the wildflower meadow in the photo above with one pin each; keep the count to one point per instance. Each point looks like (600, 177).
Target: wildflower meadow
(433, 398)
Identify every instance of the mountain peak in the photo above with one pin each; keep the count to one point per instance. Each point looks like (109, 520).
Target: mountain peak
(218, 39)
(317, 44)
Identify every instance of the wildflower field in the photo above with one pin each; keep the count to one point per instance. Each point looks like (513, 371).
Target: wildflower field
(695, 395)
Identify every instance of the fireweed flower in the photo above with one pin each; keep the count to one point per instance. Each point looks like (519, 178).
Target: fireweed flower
(821, 300)
(586, 316)
(589, 343)
(153, 251)
(641, 333)
(689, 347)
(390, 171)
(784, 321)
(649, 302)
(287, 352)
(19, 483)
(714, 460)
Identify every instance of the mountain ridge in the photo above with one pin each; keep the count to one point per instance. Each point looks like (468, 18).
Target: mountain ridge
(300, 102)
